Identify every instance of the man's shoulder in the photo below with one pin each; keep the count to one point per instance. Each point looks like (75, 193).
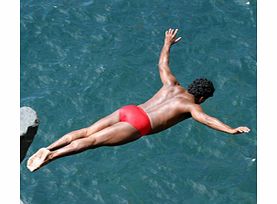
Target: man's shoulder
(173, 86)
(189, 106)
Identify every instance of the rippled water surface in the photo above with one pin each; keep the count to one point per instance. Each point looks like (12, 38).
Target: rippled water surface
(81, 60)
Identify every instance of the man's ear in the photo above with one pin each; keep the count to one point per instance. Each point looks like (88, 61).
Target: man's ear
(201, 99)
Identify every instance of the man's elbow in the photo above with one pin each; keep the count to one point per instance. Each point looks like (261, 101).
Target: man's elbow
(161, 65)
(210, 121)
(203, 119)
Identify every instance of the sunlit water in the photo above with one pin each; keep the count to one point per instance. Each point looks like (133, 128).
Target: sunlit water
(81, 60)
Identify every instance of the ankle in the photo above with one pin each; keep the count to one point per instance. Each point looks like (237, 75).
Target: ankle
(50, 156)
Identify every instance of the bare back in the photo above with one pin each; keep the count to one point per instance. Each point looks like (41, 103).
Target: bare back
(167, 107)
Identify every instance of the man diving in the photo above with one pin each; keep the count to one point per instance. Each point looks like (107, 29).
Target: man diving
(170, 105)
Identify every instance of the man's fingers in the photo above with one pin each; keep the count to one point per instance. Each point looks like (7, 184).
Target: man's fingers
(240, 130)
(172, 31)
(170, 35)
(243, 129)
(175, 32)
(178, 39)
(246, 129)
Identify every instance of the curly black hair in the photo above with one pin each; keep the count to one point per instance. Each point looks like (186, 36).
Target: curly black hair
(201, 88)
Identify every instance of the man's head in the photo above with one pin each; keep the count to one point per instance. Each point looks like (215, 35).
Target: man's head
(201, 89)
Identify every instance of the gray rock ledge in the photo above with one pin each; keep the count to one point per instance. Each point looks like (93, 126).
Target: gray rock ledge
(28, 128)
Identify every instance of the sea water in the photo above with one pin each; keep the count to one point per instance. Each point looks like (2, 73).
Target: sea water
(81, 60)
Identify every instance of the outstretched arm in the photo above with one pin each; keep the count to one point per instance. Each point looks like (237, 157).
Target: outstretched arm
(164, 69)
(198, 114)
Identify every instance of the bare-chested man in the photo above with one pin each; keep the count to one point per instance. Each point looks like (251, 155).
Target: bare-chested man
(170, 105)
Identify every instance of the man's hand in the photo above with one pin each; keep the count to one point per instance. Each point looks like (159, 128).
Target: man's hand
(170, 37)
(240, 130)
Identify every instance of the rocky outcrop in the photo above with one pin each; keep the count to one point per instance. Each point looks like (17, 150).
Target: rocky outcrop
(28, 128)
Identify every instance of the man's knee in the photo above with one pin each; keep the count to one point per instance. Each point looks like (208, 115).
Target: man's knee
(76, 145)
(83, 143)
(85, 132)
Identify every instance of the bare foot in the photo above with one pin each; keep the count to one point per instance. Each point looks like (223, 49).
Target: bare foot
(38, 159)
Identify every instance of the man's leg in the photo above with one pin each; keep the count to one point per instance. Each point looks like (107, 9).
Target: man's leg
(85, 132)
(117, 134)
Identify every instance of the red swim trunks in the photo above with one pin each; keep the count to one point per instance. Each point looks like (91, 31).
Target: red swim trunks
(135, 116)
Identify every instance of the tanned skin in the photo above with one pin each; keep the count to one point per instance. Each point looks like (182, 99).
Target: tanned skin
(170, 105)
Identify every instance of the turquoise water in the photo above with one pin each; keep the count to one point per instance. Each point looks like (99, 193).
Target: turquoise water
(81, 60)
